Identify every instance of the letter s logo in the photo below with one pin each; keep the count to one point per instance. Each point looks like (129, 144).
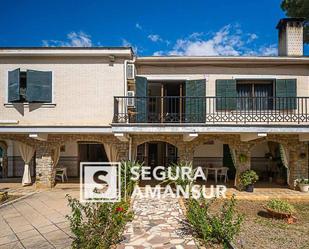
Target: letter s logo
(98, 178)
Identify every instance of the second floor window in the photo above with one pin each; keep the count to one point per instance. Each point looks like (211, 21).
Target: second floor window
(254, 95)
(29, 86)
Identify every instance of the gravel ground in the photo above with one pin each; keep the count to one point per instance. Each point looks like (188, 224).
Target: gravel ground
(261, 231)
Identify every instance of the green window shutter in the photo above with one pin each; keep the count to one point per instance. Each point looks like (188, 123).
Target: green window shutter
(141, 90)
(195, 107)
(226, 88)
(39, 86)
(286, 94)
(13, 85)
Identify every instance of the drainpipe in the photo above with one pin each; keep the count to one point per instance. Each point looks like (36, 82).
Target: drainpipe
(125, 74)
(124, 105)
(125, 94)
(130, 148)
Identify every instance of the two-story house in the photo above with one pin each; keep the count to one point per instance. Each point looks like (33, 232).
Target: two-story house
(63, 106)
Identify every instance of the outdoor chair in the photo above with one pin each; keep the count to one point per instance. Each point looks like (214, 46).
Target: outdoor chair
(61, 173)
(223, 173)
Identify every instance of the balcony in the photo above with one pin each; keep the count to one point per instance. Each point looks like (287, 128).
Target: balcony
(212, 110)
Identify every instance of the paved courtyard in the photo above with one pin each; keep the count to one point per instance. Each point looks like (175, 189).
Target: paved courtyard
(37, 221)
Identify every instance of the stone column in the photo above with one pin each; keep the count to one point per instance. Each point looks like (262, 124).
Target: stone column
(44, 167)
(4, 148)
(123, 151)
(298, 163)
(185, 152)
(242, 149)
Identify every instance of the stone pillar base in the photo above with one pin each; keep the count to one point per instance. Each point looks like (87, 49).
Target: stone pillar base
(44, 167)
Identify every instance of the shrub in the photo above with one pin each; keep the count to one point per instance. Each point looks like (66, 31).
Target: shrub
(220, 227)
(248, 177)
(97, 225)
(100, 225)
(280, 206)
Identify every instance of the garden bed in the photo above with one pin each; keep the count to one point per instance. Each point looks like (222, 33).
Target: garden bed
(259, 230)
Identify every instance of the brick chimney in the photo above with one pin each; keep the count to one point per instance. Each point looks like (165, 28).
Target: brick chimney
(291, 37)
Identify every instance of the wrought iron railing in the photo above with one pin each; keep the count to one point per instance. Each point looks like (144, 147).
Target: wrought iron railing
(211, 110)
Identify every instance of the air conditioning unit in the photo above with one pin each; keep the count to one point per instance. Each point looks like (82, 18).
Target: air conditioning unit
(131, 101)
(130, 71)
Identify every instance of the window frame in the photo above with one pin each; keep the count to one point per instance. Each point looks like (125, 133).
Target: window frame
(257, 81)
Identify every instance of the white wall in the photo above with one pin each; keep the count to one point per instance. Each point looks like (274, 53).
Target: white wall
(84, 90)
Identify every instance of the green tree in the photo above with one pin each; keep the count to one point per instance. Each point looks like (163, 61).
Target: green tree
(298, 8)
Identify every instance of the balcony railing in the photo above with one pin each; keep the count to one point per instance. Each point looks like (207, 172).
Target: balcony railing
(211, 110)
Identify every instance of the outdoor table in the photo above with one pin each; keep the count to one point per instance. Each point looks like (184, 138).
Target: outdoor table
(215, 169)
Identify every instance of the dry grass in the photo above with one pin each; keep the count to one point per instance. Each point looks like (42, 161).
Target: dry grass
(261, 231)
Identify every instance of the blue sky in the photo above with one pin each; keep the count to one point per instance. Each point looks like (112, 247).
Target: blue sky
(161, 27)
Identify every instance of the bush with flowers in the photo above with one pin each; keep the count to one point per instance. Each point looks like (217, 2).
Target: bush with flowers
(100, 225)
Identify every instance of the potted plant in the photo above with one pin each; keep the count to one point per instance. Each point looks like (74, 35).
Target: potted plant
(243, 158)
(281, 209)
(247, 179)
(303, 185)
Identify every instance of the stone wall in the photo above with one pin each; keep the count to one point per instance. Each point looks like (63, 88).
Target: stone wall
(298, 151)
(45, 150)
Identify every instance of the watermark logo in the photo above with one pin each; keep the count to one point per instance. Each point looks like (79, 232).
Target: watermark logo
(100, 182)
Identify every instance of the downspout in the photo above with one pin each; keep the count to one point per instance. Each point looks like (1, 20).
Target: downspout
(125, 74)
(130, 148)
(124, 105)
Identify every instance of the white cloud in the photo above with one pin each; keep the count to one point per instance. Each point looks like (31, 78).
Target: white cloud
(138, 26)
(270, 50)
(157, 38)
(230, 40)
(158, 53)
(126, 43)
(74, 39)
(154, 38)
(252, 37)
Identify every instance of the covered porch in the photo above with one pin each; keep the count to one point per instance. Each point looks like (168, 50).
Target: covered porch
(41, 156)
(278, 159)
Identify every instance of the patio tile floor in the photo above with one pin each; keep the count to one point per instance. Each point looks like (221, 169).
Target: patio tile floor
(37, 221)
(266, 193)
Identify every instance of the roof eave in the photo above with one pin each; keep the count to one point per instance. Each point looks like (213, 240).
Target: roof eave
(64, 51)
(220, 60)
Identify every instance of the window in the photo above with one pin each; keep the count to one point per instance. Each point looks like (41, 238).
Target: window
(30, 86)
(23, 86)
(256, 95)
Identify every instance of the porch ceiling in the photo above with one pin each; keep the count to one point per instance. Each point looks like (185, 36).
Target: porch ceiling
(181, 129)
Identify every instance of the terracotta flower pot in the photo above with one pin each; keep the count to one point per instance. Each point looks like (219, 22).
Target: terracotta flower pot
(290, 219)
